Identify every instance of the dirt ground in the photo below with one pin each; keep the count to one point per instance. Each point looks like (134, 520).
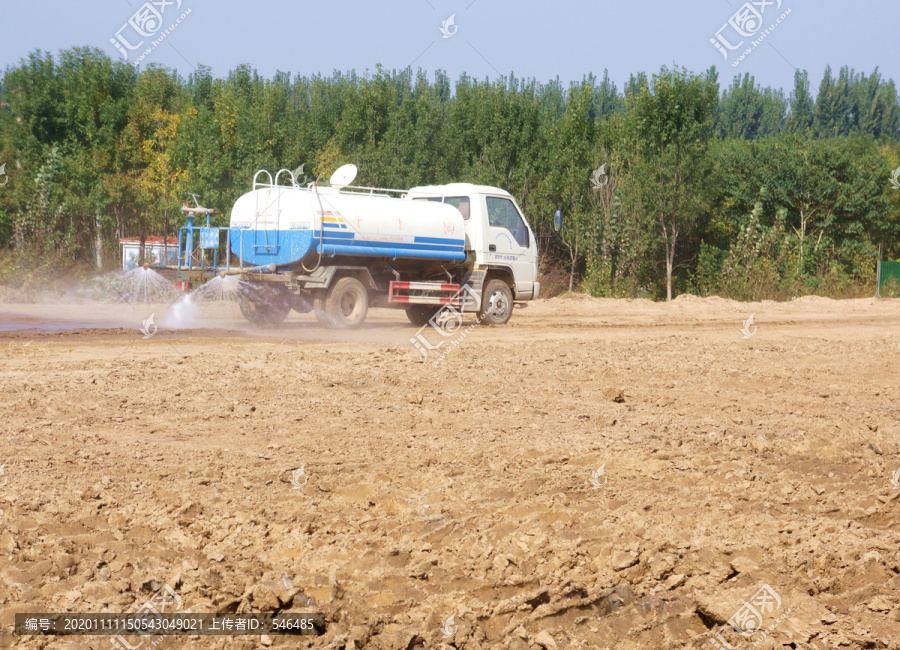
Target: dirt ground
(596, 474)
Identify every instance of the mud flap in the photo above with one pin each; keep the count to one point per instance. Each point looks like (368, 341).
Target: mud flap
(475, 282)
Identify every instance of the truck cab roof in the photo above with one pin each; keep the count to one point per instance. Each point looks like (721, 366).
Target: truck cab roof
(457, 189)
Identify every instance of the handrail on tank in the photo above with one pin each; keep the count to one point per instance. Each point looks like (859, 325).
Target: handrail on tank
(369, 189)
(289, 171)
(365, 188)
(256, 175)
(443, 195)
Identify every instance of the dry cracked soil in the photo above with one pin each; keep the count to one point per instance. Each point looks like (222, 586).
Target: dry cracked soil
(596, 474)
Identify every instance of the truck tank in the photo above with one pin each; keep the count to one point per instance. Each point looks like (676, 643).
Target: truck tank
(283, 225)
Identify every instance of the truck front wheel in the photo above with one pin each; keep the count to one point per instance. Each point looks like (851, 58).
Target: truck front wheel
(496, 303)
(264, 304)
(347, 303)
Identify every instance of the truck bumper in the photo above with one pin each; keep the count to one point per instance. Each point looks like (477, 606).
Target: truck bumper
(531, 294)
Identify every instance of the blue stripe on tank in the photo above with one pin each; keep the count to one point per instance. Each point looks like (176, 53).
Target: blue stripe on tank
(388, 244)
(285, 247)
(440, 240)
(379, 251)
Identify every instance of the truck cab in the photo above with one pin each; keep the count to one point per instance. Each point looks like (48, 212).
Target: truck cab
(498, 237)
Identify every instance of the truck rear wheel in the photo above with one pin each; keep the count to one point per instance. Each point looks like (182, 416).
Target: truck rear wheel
(496, 303)
(319, 308)
(301, 303)
(347, 303)
(263, 304)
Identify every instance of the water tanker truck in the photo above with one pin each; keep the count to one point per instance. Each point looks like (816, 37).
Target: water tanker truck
(338, 250)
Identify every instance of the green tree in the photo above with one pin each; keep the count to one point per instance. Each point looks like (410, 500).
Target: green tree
(802, 105)
(568, 182)
(750, 112)
(669, 127)
(830, 191)
(95, 151)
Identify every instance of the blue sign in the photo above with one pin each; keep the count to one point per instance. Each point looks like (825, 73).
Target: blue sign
(209, 238)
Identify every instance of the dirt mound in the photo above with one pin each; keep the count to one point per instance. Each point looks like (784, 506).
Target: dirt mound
(572, 295)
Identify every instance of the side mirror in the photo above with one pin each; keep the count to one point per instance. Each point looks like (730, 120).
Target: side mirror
(557, 226)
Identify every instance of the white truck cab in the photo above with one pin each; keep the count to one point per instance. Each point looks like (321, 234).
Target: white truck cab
(497, 234)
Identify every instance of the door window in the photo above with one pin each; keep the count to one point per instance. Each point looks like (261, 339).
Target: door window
(502, 213)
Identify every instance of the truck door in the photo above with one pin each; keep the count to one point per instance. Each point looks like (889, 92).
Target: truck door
(509, 242)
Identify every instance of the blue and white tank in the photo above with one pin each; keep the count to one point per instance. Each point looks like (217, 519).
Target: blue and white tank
(283, 225)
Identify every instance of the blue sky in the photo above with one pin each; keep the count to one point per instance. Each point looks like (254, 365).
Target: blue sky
(532, 39)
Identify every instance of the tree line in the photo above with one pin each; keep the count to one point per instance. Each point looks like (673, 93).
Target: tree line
(671, 184)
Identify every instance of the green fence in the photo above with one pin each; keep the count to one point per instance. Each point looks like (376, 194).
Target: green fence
(889, 274)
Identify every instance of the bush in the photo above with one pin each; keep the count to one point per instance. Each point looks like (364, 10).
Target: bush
(553, 282)
(891, 288)
(706, 278)
(750, 270)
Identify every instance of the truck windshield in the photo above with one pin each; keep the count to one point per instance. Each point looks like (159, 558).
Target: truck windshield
(502, 213)
(461, 203)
